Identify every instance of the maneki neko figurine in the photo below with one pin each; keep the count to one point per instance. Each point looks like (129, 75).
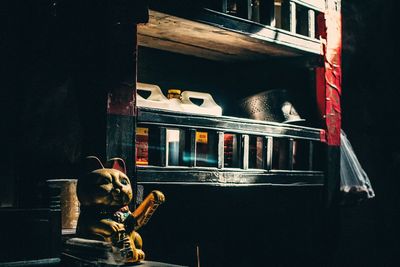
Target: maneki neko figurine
(104, 194)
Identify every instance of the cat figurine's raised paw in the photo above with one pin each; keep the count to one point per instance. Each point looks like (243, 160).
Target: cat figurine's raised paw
(104, 195)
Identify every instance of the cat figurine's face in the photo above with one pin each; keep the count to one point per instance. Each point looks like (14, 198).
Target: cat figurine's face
(104, 187)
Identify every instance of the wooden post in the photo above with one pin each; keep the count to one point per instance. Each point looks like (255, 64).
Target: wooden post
(255, 10)
(121, 115)
(290, 154)
(268, 152)
(328, 85)
(310, 155)
(245, 151)
(163, 152)
(224, 6)
(249, 9)
(120, 60)
(189, 151)
(311, 23)
(220, 154)
(272, 14)
(292, 21)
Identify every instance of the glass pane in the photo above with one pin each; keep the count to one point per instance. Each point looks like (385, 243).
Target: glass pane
(231, 151)
(280, 156)
(301, 20)
(256, 152)
(238, 8)
(266, 11)
(206, 149)
(142, 146)
(301, 155)
(172, 147)
(319, 155)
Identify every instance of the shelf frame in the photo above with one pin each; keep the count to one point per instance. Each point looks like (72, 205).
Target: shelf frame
(227, 177)
(217, 36)
(219, 175)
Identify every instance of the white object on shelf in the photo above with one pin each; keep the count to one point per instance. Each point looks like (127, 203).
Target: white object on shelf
(175, 104)
(156, 98)
(208, 107)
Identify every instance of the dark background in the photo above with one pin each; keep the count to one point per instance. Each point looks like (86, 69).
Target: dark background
(370, 114)
(368, 233)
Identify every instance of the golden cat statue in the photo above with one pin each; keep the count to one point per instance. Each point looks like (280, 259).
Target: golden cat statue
(104, 195)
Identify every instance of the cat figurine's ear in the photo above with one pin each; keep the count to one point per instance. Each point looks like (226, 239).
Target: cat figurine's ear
(92, 163)
(85, 186)
(117, 163)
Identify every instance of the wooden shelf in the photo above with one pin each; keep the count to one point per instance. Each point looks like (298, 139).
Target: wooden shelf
(218, 36)
(148, 116)
(217, 177)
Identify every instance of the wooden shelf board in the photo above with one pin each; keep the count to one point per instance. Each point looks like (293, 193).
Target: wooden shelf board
(217, 36)
(217, 177)
(149, 116)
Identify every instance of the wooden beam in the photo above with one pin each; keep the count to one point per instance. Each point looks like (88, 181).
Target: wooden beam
(310, 155)
(318, 5)
(290, 154)
(184, 48)
(245, 151)
(224, 6)
(227, 124)
(293, 19)
(200, 35)
(212, 177)
(311, 23)
(121, 92)
(217, 36)
(268, 152)
(249, 9)
(189, 156)
(272, 14)
(220, 154)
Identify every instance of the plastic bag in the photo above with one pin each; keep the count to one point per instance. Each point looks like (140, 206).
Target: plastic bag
(355, 185)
